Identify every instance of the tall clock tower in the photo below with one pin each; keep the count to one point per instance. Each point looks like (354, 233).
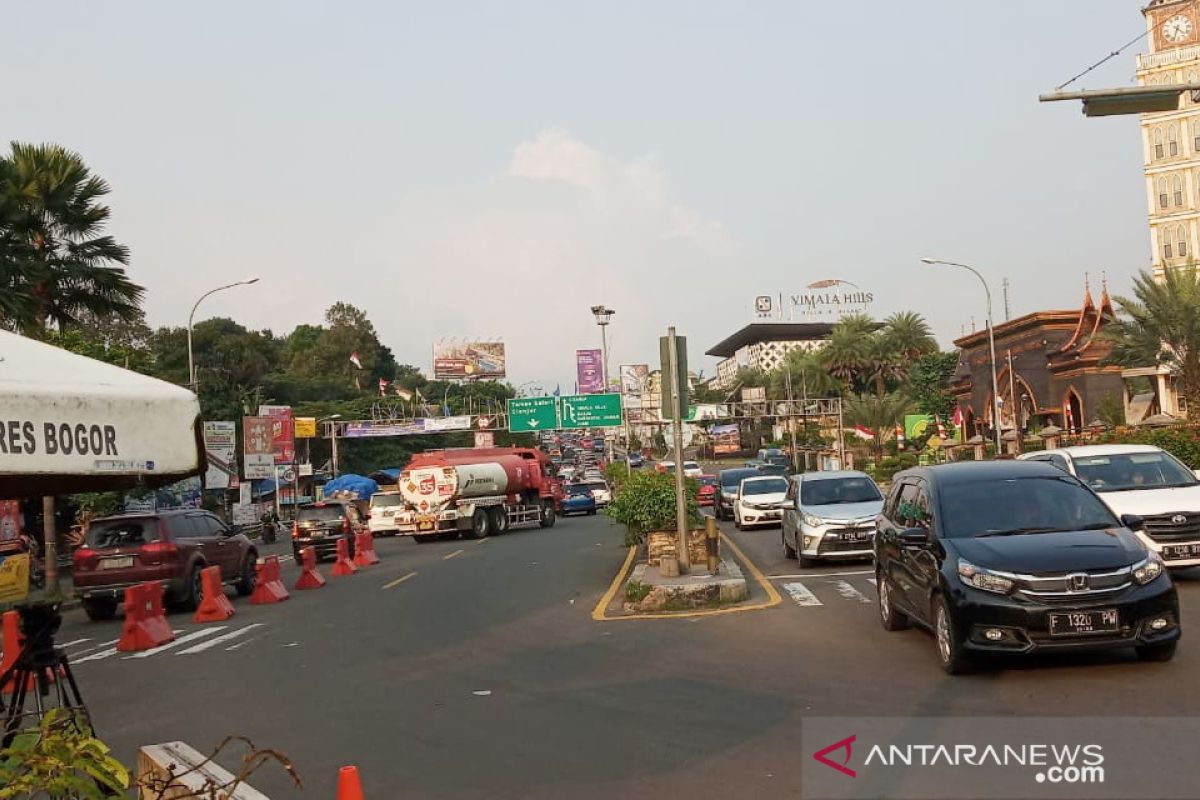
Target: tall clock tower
(1171, 139)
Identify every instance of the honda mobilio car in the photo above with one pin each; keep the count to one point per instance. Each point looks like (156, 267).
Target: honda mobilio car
(170, 547)
(1017, 557)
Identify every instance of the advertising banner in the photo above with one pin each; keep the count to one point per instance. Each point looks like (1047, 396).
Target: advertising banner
(14, 577)
(283, 435)
(305, 427)
(220, 446)
(362, 430)
(485, 439)
(725, 439)
(10, 523)
(634, 378)
(257, 438)
(458, 360)
(589, 371)
(438, 424)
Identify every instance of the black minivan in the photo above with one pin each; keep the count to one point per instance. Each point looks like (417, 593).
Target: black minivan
(1017, 557)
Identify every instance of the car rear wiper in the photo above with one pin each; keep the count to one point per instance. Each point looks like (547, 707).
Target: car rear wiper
(1019, 531)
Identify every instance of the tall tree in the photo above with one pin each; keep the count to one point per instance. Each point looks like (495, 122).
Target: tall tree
(1160, 325)
(908, 335)
(55, 264)
(880, 414)
(928, 380)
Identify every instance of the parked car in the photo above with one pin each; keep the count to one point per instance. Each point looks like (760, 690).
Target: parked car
(830, 515)
(636, 460)
(320, 525)
(170, 547)
(1144, 480)
(774, 469)
(665, 466)
(773, 455)
(579, 500)
(707, 493)
(599, 489)
(1017, 557)
(381, 516)
(726, 496)
(759, 501)
(691, 469)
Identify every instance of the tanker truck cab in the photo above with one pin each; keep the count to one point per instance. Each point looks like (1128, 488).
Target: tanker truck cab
(476, 492)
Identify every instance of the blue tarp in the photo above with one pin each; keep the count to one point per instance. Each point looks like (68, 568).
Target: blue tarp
(361, 487)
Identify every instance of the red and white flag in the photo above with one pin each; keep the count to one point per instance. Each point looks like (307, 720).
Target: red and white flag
(383, 384)
(354, 359)
(899, 437)
(957, 419)
(941, 429)
(863, 432)
(1068, 416)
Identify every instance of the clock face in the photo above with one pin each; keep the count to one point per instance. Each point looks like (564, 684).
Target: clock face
(1177, 28)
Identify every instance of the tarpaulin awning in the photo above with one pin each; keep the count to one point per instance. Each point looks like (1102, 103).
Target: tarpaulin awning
(70, 423)
(356, 485)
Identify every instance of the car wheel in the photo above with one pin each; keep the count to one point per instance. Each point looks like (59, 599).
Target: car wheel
(100, 610)
(189, 600)
(548, 516)
(1156, 652)
(591, 512)
(892, 619)
(953, 656)
(480, 524)
(788, 550)
(249, 576)
(500, 520)
(805, 561)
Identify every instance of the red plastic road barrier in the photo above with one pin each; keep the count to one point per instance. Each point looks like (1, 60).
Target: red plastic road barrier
(349, 786)
(214, 605)
(343, 565)
(310, 576)
(364, 550)
(268, 584)
(145, 623)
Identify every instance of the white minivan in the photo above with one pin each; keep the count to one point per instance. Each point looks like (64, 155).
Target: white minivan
(1143, 480)
(381, 518)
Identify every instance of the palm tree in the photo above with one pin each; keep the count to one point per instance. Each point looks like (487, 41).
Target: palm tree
(846, 353)
(54, 265)
(1160, 324)
(879, 414)
(909, 335)
(883, 364)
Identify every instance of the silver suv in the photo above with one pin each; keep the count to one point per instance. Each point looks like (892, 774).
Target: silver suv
(830, 515)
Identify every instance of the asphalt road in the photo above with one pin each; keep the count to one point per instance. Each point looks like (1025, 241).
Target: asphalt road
(482, 674)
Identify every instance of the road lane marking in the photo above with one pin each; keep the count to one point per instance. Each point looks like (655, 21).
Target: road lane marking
(200, 634)
(216, 640)
(818, 575)
(849, 592)
(398, 581)
(800, 593)
(96, 656)
(481, 541)
(77, 641)
(449, 556)
(873, 581)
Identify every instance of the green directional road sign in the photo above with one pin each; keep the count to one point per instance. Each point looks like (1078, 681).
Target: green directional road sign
(591, 411)
(527, 414)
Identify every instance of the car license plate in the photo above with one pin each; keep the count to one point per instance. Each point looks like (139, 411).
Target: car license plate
(117, 563)
(425, 525)
(1079, 623)
(857, 536)
(1177, 551)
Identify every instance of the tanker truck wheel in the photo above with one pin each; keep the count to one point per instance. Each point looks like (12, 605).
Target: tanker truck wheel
(499, 520)
(481, 526)
(548, 516)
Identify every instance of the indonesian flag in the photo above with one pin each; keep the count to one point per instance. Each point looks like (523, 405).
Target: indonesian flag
(957, 419)
(354, 359)
(941, 429)
(863, 432)
(1068, 416)
(899, 437)
(383, 384)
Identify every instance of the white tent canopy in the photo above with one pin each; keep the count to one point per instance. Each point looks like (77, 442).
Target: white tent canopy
(69, 423)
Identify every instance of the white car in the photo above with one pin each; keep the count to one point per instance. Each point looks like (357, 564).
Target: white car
(601, 493)
(381, 517)
(759, 501)
(1145, 481)
(692, 470)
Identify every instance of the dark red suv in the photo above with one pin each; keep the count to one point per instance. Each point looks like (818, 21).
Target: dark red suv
(167, 546)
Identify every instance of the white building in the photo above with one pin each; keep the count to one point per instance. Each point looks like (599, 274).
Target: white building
(763, 346)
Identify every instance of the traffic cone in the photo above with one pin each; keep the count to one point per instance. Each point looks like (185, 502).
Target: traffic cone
(214, 605)
(343, 565)
(364, 550)
(310, 576)
(349, 786)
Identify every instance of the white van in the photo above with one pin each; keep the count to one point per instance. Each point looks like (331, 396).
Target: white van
(381, 519)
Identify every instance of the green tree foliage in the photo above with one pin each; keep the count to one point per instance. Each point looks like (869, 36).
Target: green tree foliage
(879, 414)
(928, 380)
(60, 759)
(123, 342)
(55, 264)
(646, 502)
(1160, 325)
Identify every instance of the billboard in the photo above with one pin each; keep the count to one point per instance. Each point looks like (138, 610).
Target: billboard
(634, 378)
(256, 447)
(589, 371)
(305, 427)
(220, 447)
(725, 439)
(283, 435)
(459, 360)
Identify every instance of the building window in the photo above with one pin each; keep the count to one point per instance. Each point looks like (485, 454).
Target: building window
(1173, 139)
(1162, 192)
(1196, 134)
(1177, 190)
(1181, 239)
(1158, 144)
(1165, 235)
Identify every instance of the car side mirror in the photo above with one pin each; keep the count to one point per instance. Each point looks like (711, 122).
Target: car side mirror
(914, 537)
(1133, 521)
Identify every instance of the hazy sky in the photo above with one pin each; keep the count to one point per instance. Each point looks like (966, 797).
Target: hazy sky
(494, 169)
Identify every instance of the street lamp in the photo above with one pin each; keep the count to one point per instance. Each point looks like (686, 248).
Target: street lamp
(991, 344)
(603, 315)
(333, 457)
(191, 360)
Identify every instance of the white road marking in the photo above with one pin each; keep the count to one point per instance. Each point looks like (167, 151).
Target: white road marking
(398, 581)
(800, 593)
(819, 575)
(873, 581)
(93, 649)
(216, 640)
(452, 555)
(77, 641)
(96, 656)
(285, 558)
(199, 634)
(849, 592)
(242, 642)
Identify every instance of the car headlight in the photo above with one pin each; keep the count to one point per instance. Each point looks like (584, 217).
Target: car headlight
(1148, 570)
(811, 521)
(980, 578)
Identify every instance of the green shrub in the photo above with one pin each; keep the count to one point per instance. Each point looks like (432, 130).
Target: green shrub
(646, 502)
(1182, 442)
(61, 759)
(636, 591)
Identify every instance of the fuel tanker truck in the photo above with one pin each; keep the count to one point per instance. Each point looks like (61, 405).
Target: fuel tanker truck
(476, 492)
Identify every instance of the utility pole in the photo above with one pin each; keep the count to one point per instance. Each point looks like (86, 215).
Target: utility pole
(791, 411)
(1004, 287)
(681, 518)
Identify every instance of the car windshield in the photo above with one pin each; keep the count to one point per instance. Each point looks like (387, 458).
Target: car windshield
(771, 486)
(121, 532)
(385, 500)
(731, 478)
(320, 514)
(1133, 471)
(595, 485)
(690, 465)
(584, 489)
(835, 491)
(1020, 505)
(708, 480)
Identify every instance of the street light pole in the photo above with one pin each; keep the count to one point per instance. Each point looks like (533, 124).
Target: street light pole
(603, 315)
(991, 344)
(191, 316)
(333, 455)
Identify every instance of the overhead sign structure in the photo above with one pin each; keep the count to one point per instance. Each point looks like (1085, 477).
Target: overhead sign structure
(591, 411)
(531, 414)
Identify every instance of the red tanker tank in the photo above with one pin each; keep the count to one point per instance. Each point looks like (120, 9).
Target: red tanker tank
(434, 479)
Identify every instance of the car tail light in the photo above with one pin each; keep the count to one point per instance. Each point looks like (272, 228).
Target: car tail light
(295, 530)
(159, 552)
(86, 558)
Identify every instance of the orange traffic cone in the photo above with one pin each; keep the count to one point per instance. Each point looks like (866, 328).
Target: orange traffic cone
(349, 786)
(310, 576)
(12, 646)
(343, 565)
(214, 605)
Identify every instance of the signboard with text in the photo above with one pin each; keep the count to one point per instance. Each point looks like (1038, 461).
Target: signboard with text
(283, 436)
(589, 371)
(527, 414)
(463, 360)
(256, 447)
(590, 411)
(220, 447)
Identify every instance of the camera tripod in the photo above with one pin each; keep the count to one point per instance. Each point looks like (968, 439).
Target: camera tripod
(41, 675)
